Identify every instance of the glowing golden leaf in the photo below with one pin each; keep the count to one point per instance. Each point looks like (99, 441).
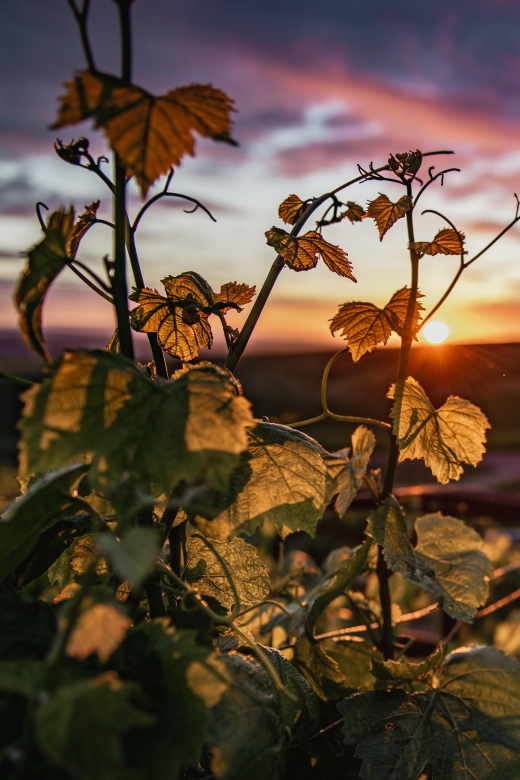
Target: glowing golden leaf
(99, 629)
(85, 221)
(446, 242)
(443, 437)
(85, 552)
(232, 292)
(365, 325)
(385, 213)
(354, 212)
(301, 253)
(182, 332)
(149, 134)
(291, 209)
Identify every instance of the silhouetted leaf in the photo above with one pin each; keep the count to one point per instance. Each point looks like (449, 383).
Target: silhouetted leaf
(385, 213)
(395, 674)
(301, 253)
(354, 212)
(444, 437)
(80, 729)
(365, 326)
(191, 428)
(447, 560)
(467, 726)
(85, 221)
(291, 209)
(348, 470)
(204, 572)
(446, 242)
(25, 519)
(149, 134)
(281, 478)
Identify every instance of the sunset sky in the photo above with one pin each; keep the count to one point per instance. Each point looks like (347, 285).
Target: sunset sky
(319, 87)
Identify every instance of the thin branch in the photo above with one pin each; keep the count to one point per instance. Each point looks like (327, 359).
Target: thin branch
(94, 165)
(96, 278)
(39, 215)
(499, 604)
(87, 281)
(81, 18)
(488, 246)
(164, 194)
(432, 179)
(16, 379)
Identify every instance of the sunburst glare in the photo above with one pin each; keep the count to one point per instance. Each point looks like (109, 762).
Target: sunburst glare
(436, 332)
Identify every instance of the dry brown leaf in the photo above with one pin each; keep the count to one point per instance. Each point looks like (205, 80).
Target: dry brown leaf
(385, 213)
(99, 629)
(354, 212)
(85, 221)
(149, 134)
(446, 242)
(291, 209)
(182, 333)
(443, 437)
(301, 253)
(365, 325)
(241, 294)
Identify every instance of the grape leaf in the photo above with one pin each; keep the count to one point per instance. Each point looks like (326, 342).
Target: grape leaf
(80, 729)
(365, 325)
(355, 660)
(245, 732)
(150, 134)
(444, 437)
(447, 560)
(231, 292)
(100, 629)
(385, 213)
(24, 520)
(393, 674)
(302, 710)
(204, 572)
(467, 726)
(281, 477)
(134, 556)
(301, 253)
(354, 212)
(291, 209)
(446, 242)
(319, 664)
(191, 428)
(78, 230)
(348, 479)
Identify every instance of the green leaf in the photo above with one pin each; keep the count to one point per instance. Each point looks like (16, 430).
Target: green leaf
(245, 731)
(445, 437)
(467, 726)
(23, 677)
(167, 664)
(354, 660)
(281, 477)
(349, 479)
(447, 560)
(392, 674)
(342, 580)
(191, 428)
(134, 556)
(28, 516)
(46, 260)
(204, 572)
(319, 667)
(80, 729)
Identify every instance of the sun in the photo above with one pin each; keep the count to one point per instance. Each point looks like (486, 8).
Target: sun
(436, 332)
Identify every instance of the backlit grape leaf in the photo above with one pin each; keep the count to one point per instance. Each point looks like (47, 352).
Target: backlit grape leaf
(46, 260)
(82, 554)
(241, 294)
(385, 213)
(355, 660)
(84, 222)
(447, 561)
(134, 556)
(301, 253)
(443, 437)
(150, 134)
(291, 209)
(365, 325)
(81, 728)
(350, 476)
(99, 629)
(24, 520)
(314, 662)
(245, 733)
(302, 710)
(192, 428)
(281, 477)
(340, 582)
(446, 242)
(205, 573)
(354, 212)
(395, 674)
(182, 332)
(466, 727)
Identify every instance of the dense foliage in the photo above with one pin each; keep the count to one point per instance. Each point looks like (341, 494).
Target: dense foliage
(151, 626)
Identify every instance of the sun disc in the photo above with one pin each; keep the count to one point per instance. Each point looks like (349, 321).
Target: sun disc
(436, 332)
